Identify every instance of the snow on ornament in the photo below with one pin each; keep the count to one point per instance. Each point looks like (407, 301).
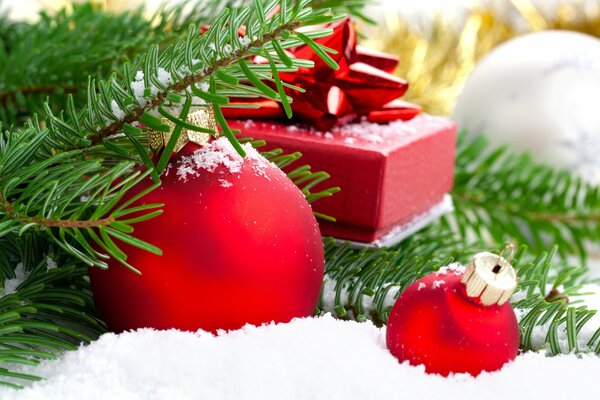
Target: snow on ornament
(539, 93)
(457, 320)
(240, 246)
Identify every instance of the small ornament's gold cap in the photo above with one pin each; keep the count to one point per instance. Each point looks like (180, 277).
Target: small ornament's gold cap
(203, 117)
(490, 277)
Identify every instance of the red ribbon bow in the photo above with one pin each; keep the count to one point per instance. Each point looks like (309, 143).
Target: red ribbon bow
(362, 86)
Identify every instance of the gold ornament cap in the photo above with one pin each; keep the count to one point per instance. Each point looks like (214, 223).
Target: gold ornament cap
(203, 117)
(490, 277)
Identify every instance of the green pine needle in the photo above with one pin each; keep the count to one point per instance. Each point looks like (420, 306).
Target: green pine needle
(502, 196)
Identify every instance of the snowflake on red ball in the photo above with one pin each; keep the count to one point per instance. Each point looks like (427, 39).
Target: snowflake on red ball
(458, 320)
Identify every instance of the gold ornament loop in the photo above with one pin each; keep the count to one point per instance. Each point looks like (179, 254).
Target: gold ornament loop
(490, 277)
(203, 117)
(510, 247)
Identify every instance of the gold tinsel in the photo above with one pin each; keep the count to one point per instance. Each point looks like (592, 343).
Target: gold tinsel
(438, 62)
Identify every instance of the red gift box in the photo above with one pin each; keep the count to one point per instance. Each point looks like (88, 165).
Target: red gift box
(389, 173)
(394, 167)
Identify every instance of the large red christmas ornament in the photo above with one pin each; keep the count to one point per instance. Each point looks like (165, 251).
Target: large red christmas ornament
(457, 321)
(240, 245)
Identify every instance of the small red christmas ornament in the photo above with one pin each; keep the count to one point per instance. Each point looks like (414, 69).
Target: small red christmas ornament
(240, 246)
(457, 320)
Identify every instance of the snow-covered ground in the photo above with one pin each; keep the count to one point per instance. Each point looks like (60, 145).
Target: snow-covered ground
(311, 358)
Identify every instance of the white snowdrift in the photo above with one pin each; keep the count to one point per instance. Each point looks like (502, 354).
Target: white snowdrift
(311, 358)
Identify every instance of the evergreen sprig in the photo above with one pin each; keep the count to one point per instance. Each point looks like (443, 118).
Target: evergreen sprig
(66, 196)
(551, 317)
(502, 196)
(363, 284)
(65, 178)
(55, 56)
(43, 62)
(46, 306)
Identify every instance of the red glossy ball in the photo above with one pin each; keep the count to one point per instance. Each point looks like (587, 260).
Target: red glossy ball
(435, 323)
(240, 245)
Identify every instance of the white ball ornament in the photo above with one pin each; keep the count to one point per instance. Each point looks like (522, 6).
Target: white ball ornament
(539, 93)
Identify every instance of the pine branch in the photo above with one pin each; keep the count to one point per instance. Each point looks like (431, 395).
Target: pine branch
(187, 81)
(67, 197)
(500, 196)
(46, 307)
(550, 316)
(363, 284)
(55, 56)
(54, 180)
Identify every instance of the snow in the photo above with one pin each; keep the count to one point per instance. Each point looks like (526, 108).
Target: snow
(244, 41)
(438, 284)
(220, 153)
(116, 110)
(138, 87)
(377, 133)
(10, 285)
(225, 183)
(361, 133)
(310, 358)
(50, 264)
(455, 268)
(164, 77)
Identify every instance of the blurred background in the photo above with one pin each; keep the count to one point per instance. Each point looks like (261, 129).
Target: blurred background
(27, 9)
(442, 45)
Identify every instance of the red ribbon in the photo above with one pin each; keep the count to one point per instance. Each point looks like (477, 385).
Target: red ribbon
(362, 86)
